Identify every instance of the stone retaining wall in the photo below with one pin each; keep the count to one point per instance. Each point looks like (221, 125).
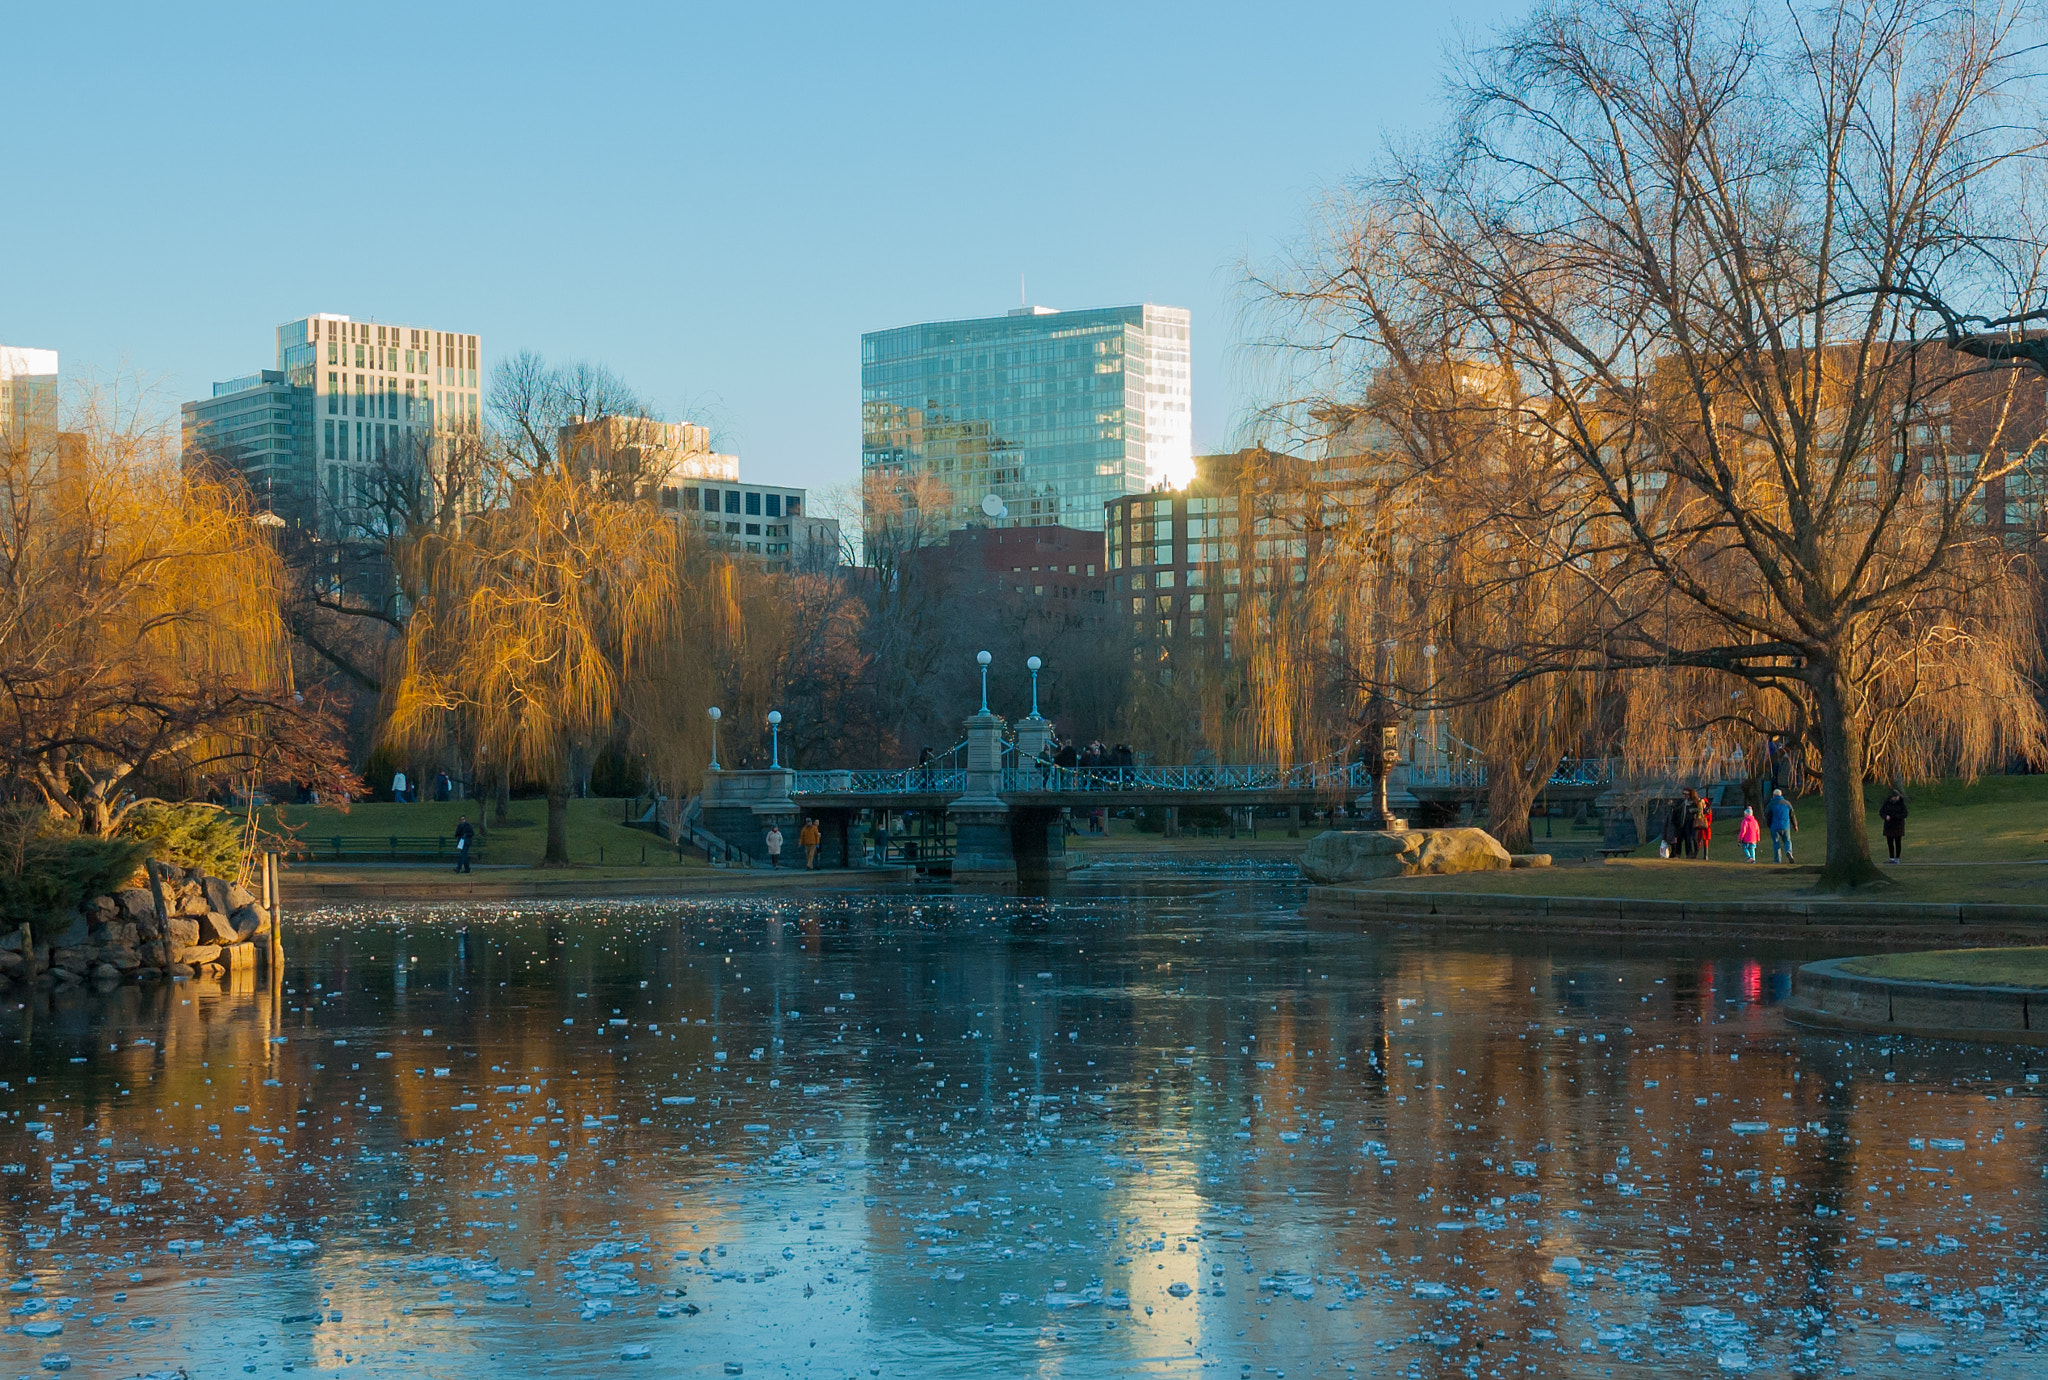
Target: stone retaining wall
(207, 924)
(1825, 995)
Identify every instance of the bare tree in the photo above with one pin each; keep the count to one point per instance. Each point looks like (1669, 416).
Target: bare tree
(1715, 250)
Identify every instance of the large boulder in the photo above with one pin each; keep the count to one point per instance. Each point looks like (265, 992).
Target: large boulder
(251, 921)
(137, 904)
(1336, 857)
(216, 928)
(196, 954)
(181, 931)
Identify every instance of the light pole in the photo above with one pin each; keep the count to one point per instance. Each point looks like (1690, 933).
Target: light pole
(1034, 663)
(715, 717)
(774, 739)
(983, 659)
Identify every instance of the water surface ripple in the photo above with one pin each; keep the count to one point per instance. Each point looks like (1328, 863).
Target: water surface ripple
(1158, 1125)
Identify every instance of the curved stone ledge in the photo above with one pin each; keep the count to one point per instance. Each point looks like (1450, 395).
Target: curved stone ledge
(1886, 924)
(1826, 996)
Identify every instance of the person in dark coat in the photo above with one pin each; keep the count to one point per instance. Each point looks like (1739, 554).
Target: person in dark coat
(1893, 813)
(465, 839)
(1674, 830)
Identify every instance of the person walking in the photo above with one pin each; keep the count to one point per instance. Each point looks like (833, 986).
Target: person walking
(1749, 834)
(1689, 822)
(810, 836)
(774, 842)
(1674, 830)
(1893, 813)
(398, 787)
(465, 832)
(1706, 828)
(1780, 819)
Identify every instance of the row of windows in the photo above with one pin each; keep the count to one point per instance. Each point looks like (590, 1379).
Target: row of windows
(751, 529)
(368, 441)
(753, 502)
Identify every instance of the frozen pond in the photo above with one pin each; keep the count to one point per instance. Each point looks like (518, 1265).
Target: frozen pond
(1156, 1127)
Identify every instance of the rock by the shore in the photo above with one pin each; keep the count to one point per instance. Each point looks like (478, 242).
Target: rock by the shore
(1339, 856)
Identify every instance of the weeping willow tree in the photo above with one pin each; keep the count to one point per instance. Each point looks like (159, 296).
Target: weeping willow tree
(142, 650)
(538, 622)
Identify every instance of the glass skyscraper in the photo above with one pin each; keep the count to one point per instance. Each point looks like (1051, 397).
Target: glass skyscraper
(1053, 413)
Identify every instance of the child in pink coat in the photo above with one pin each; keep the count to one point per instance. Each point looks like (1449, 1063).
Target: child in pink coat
(1749, 834)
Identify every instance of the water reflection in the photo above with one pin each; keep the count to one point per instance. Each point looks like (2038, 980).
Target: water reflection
(1168, 1127)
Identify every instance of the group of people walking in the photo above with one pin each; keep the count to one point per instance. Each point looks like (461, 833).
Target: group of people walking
(1689, 827)
(1096, 764)
(807, 838)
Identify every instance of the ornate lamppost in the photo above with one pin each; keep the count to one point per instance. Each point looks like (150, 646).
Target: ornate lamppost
(983, 659)
(716, 715)
(1034, 663)
(774, 739)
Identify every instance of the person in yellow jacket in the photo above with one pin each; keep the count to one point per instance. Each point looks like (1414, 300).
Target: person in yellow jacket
(810, 836)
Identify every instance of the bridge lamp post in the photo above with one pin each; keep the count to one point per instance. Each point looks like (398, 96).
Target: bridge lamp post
(1034, 663)
(716, 715)
(774, 739)
(983, 659)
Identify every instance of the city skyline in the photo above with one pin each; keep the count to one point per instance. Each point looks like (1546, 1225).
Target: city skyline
(732, 284)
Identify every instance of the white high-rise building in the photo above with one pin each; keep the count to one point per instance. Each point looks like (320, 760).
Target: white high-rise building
(349, 403)
(28, 388)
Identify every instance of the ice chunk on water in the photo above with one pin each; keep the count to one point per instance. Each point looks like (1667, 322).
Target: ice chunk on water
(1916, 1343)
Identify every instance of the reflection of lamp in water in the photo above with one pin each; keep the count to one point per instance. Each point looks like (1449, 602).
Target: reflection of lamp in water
(715, 717)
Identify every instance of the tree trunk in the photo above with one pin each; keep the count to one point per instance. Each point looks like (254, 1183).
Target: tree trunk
(557, 854)
(504, 795)
(1847, 861)
(1509, 795)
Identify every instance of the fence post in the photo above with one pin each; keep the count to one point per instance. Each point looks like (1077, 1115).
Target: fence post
(276, 912)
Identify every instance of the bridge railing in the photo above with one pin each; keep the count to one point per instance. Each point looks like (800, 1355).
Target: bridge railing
(931, 777)
(1200, 779)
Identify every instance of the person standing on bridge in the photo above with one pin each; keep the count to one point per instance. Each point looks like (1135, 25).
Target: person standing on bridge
(810, 836)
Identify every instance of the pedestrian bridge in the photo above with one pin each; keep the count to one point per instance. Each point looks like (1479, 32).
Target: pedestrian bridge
(993, 809)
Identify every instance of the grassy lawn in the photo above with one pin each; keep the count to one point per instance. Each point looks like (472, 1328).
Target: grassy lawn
(596, 835)
(1991, 819)
(1988, 967)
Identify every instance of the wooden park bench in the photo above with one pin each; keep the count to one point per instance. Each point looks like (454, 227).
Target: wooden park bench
(394, 848)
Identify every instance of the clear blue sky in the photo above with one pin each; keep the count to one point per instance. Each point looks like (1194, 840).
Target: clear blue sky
(715, 200)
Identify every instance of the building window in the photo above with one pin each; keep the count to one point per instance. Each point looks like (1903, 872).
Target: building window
(1198, 627)
(1138, 606)
(690, 499)
(333, 391)
(1162, 603)
(774, 505)
(753, 529)
(327, 451)
(732, 505)
(1163, 580)
(792, 506)
(753, 505)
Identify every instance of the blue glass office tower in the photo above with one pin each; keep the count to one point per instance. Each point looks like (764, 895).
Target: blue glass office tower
(1054, 413)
